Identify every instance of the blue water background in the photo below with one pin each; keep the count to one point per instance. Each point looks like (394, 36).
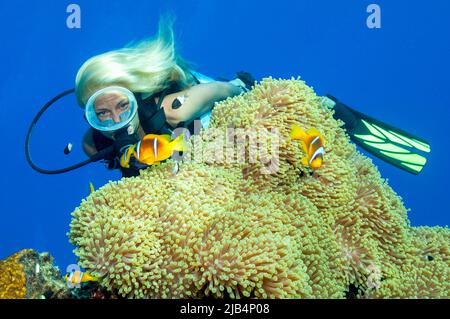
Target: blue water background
(398, 73)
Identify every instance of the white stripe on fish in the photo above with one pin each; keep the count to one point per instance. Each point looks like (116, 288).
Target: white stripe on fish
(319, 151)
(155, 147)
(138, 147)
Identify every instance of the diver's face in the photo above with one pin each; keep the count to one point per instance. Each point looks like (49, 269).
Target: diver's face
(110, 106)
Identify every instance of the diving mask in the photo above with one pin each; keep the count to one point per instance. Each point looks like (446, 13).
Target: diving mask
(111, 109)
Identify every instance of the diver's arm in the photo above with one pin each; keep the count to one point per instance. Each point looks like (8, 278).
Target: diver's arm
(197, 100)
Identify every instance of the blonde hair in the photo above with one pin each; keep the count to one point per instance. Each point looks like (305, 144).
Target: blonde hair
(147, 66)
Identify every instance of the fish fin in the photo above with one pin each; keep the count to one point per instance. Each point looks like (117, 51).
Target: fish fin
(313, 131)
(149, 137)
(179, 144)
(167, 137)
(89, 277)
(91, 188)
(143, 158)
(146, 162)
(305, 146)
(297, 133)
(305, 161)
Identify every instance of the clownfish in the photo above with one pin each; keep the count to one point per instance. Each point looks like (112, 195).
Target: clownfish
(153, 149)
(313, 145)
(77, 277)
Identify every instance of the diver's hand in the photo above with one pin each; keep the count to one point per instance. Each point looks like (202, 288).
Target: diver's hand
(238, 82)
(197, 100)
(245, 79)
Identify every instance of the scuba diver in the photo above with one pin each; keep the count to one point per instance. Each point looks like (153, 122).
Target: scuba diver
(143, 89)
(143, 93)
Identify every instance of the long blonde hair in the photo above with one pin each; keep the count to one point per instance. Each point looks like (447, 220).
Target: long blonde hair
(147, 66)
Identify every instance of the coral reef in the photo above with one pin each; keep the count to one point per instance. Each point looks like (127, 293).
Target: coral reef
(251, 221)
(28, 274)
(12, 278)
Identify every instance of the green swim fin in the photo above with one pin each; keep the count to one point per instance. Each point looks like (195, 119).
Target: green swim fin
(390, 144)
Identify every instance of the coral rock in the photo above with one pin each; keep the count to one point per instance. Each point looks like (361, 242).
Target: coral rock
(28, 274)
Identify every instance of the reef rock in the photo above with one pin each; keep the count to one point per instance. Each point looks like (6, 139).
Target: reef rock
(28, 274)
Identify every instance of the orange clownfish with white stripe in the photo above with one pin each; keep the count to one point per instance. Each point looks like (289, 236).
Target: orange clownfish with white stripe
(76, 277)
(313, 145)
(153, 149)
